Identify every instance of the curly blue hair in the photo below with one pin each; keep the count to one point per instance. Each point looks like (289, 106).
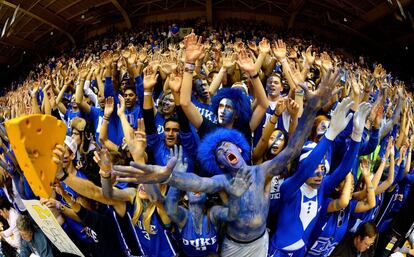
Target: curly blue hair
(207, 149)
(241, 103)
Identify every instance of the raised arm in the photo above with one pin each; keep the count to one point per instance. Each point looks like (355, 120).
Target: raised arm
(103, 133)
(83, 106)
(363, 206)
(351, 154)
(150, 174)
(343, 200)
(193, 49)
(246, 64)
(390, 179)
(261, 147)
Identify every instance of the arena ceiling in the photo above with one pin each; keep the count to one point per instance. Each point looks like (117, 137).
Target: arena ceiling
(40, 25)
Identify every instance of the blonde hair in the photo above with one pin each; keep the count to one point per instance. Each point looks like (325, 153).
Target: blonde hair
(149, 211)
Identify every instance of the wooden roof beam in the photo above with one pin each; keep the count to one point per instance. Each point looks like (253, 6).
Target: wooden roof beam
(123, 12)
(45, 16)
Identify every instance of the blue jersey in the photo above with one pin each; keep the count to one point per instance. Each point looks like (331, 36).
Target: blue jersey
(157, 243)
(68, 117)
(126, 235)
(195, 245)
(205, 110)
(330, 229)
(96, 117)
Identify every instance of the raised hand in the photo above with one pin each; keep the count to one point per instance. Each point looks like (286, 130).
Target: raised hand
(103, 158)
(293, 108)
(340, 118)
(120, 110)
(182, 164)
(139, 141)
(229, 60)
(316, 99)
(240, 183)
(150, 78)
(252, 45)
(280, 106)
(279, 49)
(175, 82)
(326, 61)
(246, 63)
(109, 106)
(359, 120)
(310, 57)
(107, 58)
(390, 148)
(264, 46)
(193, 48)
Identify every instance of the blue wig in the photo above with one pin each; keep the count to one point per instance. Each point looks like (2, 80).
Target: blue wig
(207, 149)
(242, 107)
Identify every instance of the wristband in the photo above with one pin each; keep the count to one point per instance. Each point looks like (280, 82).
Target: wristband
(106, 118)
(189, 67)
(255, 76)
(370, 188)
(132, 65)
(283, 61)
(148, 93)
(65, 175)
(270, 120)
(300, 92)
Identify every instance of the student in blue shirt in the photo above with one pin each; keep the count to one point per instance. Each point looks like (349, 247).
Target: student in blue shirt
(305, 191)
(357, 219)
(333, 220)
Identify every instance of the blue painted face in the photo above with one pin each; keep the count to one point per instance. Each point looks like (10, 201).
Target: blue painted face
(196, 198)
(322, 128)
(229, 156)
(225, 111)
(316, 180)
(201, 88)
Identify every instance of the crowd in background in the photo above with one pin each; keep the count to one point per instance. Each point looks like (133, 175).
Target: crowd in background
(232, 141)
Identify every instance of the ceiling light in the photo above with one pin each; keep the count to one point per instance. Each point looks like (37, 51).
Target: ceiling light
(51, 33)
(345, 19)
(83, 16)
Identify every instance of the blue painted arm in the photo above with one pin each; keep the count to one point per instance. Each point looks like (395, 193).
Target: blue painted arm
(306, 169)
(191, 182)
(176, 213)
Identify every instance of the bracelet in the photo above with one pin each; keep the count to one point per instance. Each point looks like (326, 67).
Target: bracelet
(370, 188)
(148, 93)
(283, 61)
(107, 175)
(106, 118)
(189, 67)
(65, 176)
(255, 76)
(300, 92)
(132, 65)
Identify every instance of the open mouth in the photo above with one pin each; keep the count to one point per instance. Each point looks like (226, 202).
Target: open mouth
(232, 159)
(197, 194)
(170, 140)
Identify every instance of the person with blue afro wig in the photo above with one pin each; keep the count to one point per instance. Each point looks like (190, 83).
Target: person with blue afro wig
(208, 147)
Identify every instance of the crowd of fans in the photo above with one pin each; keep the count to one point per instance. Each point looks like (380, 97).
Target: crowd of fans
(227, 142)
